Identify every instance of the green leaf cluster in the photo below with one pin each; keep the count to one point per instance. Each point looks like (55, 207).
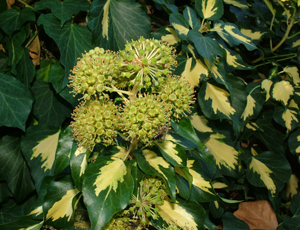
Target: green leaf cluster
(241, 142)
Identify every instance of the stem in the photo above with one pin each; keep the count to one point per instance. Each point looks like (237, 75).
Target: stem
(283, 59)
(272, 21)
(133, 146)
(286, 32)
(26, 4)
(294, 35)
(28, 43)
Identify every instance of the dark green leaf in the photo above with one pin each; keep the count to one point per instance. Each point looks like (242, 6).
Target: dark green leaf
(15, 102)
(230, 222)
(49, 108)
(12, 20)
(294, 143)
(25, 69)
(72, 40)
(169, 8)
(191, 17)
(24, 222)
(206, 46)
(287, 117)
(63, 151)
(115, 22)
(56, 76)
(107, 189)
(14, 169)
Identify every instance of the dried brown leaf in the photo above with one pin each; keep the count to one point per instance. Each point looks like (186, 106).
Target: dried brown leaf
(2, 48)
(35, 51)
(258, 215)
(10, 3)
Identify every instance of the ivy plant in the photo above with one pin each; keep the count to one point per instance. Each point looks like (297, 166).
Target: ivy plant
(124, 114)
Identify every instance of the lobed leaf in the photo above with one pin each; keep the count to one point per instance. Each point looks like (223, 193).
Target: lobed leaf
(210, 9)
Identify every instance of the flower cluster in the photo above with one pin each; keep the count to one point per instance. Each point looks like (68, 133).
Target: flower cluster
(142, 117)
(141, 77)
(146, 60)
(95, 121)
(151, 194)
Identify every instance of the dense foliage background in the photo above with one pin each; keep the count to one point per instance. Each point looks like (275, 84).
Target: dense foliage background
(233, 160)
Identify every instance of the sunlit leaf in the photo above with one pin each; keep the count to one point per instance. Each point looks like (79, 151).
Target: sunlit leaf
(114, 22)
(268, 170)
(170, 37)
(266, 85)
(242, 4)
(254, 35)
(210, 9)
(287, 117)
(292, 186)
(174, 153)
(200, 123)
(293, 72)
(107, 189)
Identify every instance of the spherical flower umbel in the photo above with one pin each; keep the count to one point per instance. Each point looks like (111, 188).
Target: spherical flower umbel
(95, 122)
(95, 73)
(177, 93)
(142, 117)
(145, 60)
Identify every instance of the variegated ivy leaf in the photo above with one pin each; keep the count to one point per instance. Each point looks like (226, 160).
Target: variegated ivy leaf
(214, 102)
(200, 123)
(78, 164)
(268, 170)
(292, 186)
(180, 25)
(183, 214)
(39, 147)
(210, 9)
(294, 143)
(255, 101)
(23, 223)
(107, 189)
(192, 75)
(242, 4)
(266, 85)
(232, 35)
(166, 34)
(152, 163)
(293, 72)
(206, 46)
(255, 36)
(172, 152)
(287, 117)
(282, 91)
(226, 156)
(202, 190)
(114, 22)
(191, 17)
(271, 7)
(60, 202)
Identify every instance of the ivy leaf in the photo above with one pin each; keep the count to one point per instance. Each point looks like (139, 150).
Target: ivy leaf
(14, 169)
(12, 20)
(230, 222)
(39, 147)
(78, 164)
(153, 164)
(180, 25)
(77, 37)
(15, 102)
(63, 151)
(172, 152)
(230, 33)
(107, 189)
(169, 8)
(191, 17)
(56, 76)
(206, 46)
(183, 213)
(214, 102)
(49, 108)
(60, 202)
(210, 9)
(235, 61)
(282, 91)
(292, 222)
(115, 22)
(294, 143)
(268, 170)
(287, 117)
(25, 69)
